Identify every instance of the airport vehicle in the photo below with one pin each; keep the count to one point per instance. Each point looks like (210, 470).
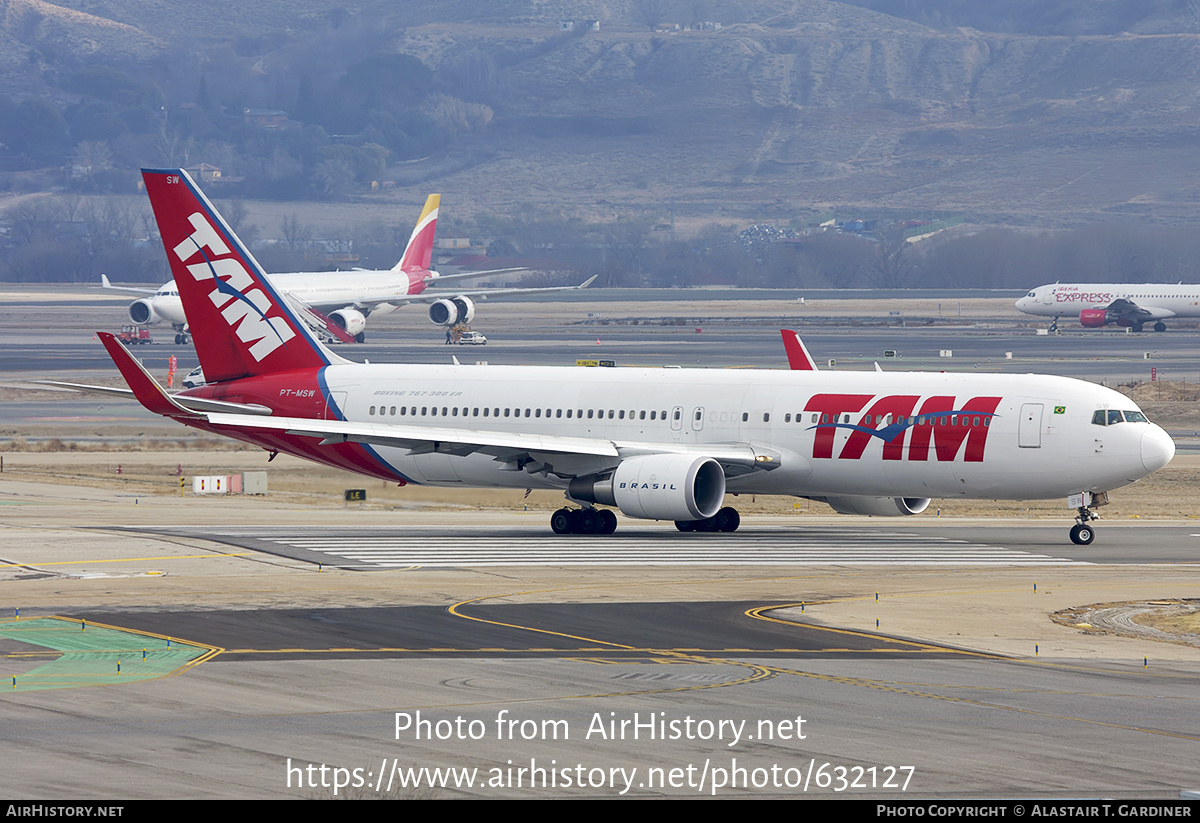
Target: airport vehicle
(134, 336)
(471, 338)
(1126, 304)
(337, 304)
(661, 444)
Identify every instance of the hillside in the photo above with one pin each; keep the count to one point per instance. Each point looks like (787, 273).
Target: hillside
(788, 108)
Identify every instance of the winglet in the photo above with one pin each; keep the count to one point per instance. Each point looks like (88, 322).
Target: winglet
(104, 284)
(587, 282)
(145, 388)
(798, 357)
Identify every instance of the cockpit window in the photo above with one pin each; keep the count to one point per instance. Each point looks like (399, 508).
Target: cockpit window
(1111, 417)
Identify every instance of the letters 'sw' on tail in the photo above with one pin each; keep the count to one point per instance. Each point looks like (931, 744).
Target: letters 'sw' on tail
(241, 325)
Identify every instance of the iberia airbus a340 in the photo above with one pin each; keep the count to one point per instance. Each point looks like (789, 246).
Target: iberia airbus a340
(339, 303)
(660, 444)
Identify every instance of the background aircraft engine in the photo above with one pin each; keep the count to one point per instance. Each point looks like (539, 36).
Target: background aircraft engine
(443, 312)
(878, 506)
(142, 312)
(466, 309)
(452, 311)
(352, 320)
(1094, 318)
(659, 487)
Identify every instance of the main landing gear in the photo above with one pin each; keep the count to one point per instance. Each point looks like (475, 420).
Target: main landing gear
(583, 521)
(603, 521)
(725, 520)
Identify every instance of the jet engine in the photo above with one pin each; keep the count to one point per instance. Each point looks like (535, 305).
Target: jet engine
(350, 319)
(1094, 318)
(658, 487)
(878, 506)
(142, 313)
(452, 311)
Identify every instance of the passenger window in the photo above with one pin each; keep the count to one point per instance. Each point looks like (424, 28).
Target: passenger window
(745, 416)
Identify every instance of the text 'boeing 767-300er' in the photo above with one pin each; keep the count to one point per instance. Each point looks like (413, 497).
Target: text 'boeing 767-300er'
(337, 304)
(660, 444)
(1126, 304)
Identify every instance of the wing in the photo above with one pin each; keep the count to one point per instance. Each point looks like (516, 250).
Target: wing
(533, 453)
(429, 296)
(106, 284)
(1126, 309)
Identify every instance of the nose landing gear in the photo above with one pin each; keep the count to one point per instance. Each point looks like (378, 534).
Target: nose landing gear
(1084, 503)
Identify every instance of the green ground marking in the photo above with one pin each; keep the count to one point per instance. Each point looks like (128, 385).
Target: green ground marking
(89, 655)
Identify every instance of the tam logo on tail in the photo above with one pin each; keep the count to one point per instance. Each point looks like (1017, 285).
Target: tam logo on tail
(241, 324)
(242, 304)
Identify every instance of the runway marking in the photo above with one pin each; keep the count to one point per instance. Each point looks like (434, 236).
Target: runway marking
(392, 548)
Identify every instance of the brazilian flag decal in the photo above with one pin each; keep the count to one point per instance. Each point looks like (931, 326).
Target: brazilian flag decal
(1060, 409)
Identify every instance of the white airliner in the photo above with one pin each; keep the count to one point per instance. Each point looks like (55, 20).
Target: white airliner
(1126, 304)
(660, 444)
(340, 302)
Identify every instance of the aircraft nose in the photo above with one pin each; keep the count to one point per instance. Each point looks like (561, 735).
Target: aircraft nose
(1157, 449)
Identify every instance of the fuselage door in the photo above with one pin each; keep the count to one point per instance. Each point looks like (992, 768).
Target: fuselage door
(1029, 433)
(677, 418)
(697, 418)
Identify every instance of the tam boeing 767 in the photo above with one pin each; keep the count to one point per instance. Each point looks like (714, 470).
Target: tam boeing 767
(657, 444)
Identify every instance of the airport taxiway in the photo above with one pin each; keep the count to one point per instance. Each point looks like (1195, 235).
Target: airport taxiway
(893, 658)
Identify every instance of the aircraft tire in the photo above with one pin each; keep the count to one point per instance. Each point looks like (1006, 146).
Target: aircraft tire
(361, 337)
(728, 519)
(561, 521)
(1082, 534)
(1160, 326)
(685, 525)
(585, 521)
(608, 522)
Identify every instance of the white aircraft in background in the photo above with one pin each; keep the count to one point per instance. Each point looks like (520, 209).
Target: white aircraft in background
(1126, 304)
(660, 444)
(337, 304)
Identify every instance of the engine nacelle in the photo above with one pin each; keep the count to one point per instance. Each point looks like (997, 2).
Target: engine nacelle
(658, 487)
(1094, 318)
(451, 311)
(878, 506)
(142, 313)
(352, 320)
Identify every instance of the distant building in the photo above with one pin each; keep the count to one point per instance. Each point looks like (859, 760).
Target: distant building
(269, 119)
(205, 173)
